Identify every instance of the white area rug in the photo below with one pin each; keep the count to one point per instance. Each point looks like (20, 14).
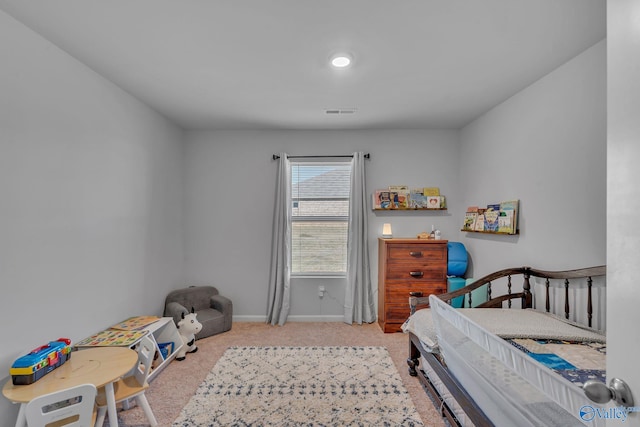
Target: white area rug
(301, 386)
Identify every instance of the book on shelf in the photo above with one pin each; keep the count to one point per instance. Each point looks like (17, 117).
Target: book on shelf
(393, 200)
(402, 201)
(479, 226)
(470, 220)
(431, 191)
(491, 220)
(382, 199)
(509, 204)
(505, 222)
(399, 188)
(433, 202)
(417, 201)
(510, 209)
(491, 217)
(470, 217)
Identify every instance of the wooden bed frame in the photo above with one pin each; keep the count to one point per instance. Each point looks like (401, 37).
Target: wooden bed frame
(416, 301)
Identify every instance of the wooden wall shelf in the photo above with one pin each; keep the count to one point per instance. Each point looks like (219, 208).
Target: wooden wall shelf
(399, 198)
(411, 209)
(492, 232)
(496, 218)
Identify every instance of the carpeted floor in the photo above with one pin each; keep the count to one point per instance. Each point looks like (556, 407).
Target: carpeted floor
(172, 389)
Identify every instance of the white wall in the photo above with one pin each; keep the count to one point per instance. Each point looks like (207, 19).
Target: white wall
(230, 185)
(546, 146)
(90, 207)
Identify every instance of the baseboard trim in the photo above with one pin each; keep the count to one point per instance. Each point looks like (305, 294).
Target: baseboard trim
(291, 318)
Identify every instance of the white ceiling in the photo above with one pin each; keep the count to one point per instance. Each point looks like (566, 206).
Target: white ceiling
(263, 64)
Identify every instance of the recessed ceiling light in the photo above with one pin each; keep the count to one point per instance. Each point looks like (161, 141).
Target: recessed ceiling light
(341, 61)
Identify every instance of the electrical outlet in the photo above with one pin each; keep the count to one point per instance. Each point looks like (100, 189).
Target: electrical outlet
(321, 291)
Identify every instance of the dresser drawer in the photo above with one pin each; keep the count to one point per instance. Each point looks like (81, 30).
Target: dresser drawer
(397, 310)
(397, 293)
(416, 273)
(397, 313)
(420, 253)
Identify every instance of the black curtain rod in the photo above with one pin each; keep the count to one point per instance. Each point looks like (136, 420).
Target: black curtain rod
(276, 157)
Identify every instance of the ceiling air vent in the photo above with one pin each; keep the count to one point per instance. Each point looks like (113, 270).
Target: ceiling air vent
(340, 111)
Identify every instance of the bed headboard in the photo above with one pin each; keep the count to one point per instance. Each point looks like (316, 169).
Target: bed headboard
(558, 289)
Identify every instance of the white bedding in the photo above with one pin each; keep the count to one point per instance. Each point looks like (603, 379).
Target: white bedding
(505, 323)
(510, 387)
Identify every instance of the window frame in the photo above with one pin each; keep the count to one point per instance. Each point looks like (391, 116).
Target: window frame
(294, 199)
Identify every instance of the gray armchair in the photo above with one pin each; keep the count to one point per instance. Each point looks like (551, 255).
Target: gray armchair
(214, 311)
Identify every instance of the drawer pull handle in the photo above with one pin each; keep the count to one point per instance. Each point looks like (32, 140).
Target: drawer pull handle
(415, 254)
(416, 273)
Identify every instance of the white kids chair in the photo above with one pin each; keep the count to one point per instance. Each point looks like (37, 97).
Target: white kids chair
(71, 407)
(132, 386)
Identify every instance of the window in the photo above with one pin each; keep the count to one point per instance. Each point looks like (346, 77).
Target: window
(320, 217)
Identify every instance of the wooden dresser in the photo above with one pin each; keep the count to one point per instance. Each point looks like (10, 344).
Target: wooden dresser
(404, 266)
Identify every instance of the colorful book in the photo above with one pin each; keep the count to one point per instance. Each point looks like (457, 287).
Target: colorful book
(480, 220)
(393, 200)
(511, 206)
(166, 348)
(470, 220)
(431, 191)
(381, 199)
(417, 201)
(433, 202)
(505, 222)
(402, 199)
(491, 220)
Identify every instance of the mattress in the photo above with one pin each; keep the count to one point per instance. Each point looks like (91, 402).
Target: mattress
(511, 386)
(505, 323)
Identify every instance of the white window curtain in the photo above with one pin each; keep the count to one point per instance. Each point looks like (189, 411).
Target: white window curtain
(280, 276)
(359, 305)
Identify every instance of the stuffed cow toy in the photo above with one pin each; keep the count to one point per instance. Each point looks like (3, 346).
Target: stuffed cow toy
(188, 327)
